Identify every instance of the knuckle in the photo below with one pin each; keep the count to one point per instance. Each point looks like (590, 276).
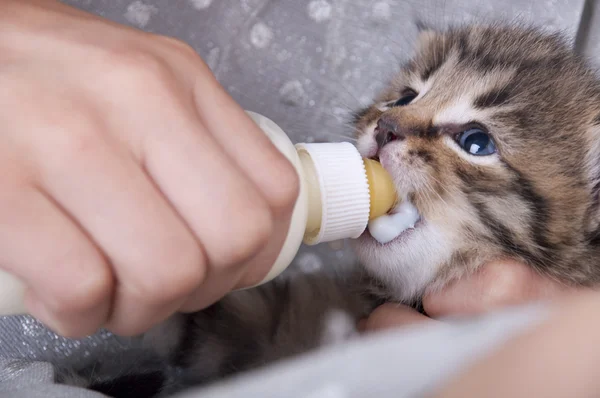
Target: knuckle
(285, 189)
(175, 273)
(137, 69)
(248, 236)
(72, 146)
(91, 288)
(78, 142)
(179, 46)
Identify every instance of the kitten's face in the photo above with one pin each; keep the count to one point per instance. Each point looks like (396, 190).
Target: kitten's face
(491, 133)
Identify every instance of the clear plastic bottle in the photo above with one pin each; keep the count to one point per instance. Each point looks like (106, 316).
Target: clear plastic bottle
(339, 193)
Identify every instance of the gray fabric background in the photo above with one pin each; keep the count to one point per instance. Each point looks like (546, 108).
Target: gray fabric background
(305, 64)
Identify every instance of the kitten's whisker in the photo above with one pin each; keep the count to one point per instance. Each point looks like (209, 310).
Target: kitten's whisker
(442, 186)
(426, 192)
(346, 137)
(435, 192)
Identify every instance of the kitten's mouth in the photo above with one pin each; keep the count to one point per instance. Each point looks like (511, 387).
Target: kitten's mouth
(400, 222)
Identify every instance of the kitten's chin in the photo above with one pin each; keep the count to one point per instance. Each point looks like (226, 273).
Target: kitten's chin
(407, 264)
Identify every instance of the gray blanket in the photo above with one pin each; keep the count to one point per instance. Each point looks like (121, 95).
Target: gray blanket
(305, 64)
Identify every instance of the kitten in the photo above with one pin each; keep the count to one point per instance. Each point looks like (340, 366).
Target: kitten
(493, 133)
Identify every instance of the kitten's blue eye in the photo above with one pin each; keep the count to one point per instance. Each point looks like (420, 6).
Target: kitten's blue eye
(406, 99)
(477, 142)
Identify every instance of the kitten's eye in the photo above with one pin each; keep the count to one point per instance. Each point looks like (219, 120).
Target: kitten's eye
(406, 98)
(477, 142)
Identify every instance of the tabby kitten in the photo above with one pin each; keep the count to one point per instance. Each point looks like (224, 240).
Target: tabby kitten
(493, 133)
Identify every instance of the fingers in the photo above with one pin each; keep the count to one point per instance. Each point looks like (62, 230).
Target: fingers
(211, 186)
(249, 151)
(238, 135)
(234, 130)
(271, 172)
(156, 259)
(68, 278)
(223, 208)
(495, 285)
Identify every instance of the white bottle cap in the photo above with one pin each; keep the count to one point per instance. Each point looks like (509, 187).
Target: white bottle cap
(344, 190)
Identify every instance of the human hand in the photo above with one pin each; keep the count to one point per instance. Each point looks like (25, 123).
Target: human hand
(133, 184)
(557, 358)
(496, 285)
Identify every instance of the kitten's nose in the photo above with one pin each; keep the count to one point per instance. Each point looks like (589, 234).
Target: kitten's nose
(387, 130)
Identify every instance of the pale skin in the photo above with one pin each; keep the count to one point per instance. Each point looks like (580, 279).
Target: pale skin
(111, 209)
(133, 185)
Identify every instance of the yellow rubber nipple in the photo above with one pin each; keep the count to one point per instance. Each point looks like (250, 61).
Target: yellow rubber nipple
(381, 189)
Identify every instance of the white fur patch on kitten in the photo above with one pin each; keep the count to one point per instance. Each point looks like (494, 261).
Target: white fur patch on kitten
(459, 112)
(421, 88)
(407, 267)
(366, 144)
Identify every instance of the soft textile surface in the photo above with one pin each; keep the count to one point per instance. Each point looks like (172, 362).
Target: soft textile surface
(304, 64)
(407, 363)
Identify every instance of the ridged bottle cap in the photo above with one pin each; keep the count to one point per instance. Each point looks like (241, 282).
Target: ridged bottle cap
(344, 191)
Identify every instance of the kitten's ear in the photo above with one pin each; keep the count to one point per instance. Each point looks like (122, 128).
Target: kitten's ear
(426, 35)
